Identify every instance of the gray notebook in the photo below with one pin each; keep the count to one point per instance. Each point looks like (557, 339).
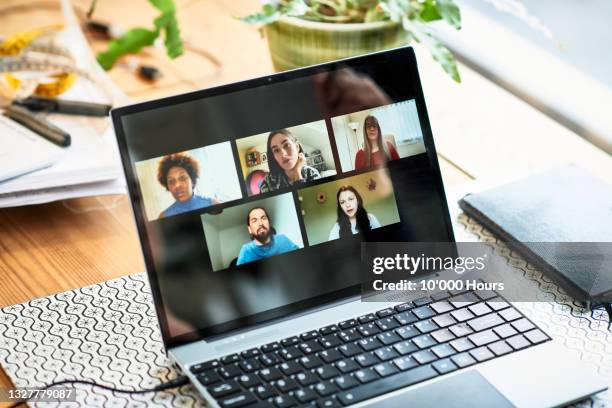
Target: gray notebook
(564, 205)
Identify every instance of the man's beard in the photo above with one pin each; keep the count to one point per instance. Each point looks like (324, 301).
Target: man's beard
(262, 235)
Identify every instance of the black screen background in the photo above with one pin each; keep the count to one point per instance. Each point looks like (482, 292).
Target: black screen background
(211, 303)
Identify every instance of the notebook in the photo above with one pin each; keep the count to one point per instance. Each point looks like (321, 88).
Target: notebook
(538, 216)
(23, 151)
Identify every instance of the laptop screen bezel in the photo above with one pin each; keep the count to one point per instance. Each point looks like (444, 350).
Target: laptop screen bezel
(403, 55)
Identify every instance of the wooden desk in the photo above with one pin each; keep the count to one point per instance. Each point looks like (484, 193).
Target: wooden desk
(55, 247)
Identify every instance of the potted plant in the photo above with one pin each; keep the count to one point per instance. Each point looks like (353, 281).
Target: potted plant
(305, 32)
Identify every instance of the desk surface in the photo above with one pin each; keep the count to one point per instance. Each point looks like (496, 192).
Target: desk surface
(59, 246)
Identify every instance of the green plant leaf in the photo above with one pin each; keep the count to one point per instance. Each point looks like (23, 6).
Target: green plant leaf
(449, 12)
(267, 15)
(438, 51)
(396, 9)
(132, 41)
(429, 12)
(165, 6)
(295, 8)
(172, 40)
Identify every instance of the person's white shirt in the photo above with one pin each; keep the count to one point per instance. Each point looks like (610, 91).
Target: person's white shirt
(335, 231)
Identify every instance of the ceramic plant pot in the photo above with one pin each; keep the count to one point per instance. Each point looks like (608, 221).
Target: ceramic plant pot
(295, 42)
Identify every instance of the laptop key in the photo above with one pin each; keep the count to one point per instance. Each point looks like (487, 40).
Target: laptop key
(232, 358)
(423, 312)
(424, 356)
(369, 329)
(405, 363)
(482, 354)
(270, 374)
(500, 348)
(387, 384)
(484, 337)
(305, 395)
(223, 389)
(464, 299)
(510, 314)
(385, 312)
(310, 347)
(463, 360)
(229, 371)
(388, 323)
(443, 350)
(329, 329)
(485, 322)
(366, 359)
(347, 324)
(209, 377)
(248, 380)
(505, 330)
(461, 329)
(405, 318)
(306, 378)
(290, 367)
(480, 309)
(370, 317)
(536, 336)
(290, 341)
(350, 335)
(440, 295)
(462, 345)
(405, 347)
(269, 359)
(485, 294)
(442, 307)
(422, 301)
(265, 391)
(344, 382)
(518, 342)
(388, 338)
(370, 343)
(329, 356)
(497, 304)
(386, 353)
(346, 366)
(443, 335)
(290, 353)
(285, 385)
(328, 341)
(407, 332)
(523, 325)
(424, 341)
(426, 326)
(284, 401)
(444, 366)
(327, 371)
(249, 365)
(385, 369)
(198, 368)
(444, 320)
(310, 361)
(349, 350)
(365, 375)
(238, 400)
(328, 403)
(268, 348)
(403, 307)
(462, 315)
(325, 388)
(254, 352)
(313, 334)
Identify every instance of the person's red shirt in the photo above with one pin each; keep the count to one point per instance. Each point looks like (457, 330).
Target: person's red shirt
(376, 158)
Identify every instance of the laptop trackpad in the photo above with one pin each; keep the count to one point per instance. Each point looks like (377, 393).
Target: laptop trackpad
(469, 389)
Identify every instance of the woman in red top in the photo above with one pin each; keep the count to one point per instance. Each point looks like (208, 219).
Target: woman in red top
(375, 152)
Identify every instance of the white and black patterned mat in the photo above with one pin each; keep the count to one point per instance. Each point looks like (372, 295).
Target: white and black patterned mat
(108, 333)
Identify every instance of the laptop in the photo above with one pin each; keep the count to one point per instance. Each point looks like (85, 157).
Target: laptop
(252, 201)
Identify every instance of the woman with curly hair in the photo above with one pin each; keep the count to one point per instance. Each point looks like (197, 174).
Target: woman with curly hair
(286, 161)
(178, 173)
(376, 152)
(352, 216)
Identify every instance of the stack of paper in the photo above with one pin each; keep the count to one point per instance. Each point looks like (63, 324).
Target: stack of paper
(91, 165)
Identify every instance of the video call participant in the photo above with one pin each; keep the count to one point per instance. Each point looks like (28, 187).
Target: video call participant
(178, 173)
(376, 152)
(286, 162)
(352, 216)
(265, 241)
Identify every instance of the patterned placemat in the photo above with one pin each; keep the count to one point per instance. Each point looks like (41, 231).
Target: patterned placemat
(108, 333)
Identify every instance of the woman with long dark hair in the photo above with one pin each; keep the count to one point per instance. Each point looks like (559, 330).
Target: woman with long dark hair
(376, 152)
(352, 216)
(286, 162)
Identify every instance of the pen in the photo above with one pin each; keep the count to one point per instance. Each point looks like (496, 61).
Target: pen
(37, 104)
(39, 125)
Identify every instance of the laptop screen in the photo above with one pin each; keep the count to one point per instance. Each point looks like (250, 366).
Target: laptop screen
(252, 199)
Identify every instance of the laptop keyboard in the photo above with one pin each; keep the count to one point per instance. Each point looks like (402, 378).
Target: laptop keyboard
(371, 355)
